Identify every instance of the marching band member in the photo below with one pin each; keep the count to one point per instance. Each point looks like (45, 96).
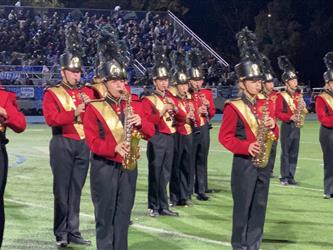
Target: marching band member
(180, 192)
(160, 109)
(324, 110)
(242, 120)
(63, 109)
(269, 92)
(106, 123)
(203, 99)
(10, 117)
(290, 109)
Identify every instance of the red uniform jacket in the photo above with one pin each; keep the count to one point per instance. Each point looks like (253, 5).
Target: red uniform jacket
(15, 119)
(285, 110)
(237, 131)
(324, 109)
(104, 130)
(197, 98)
(59, 105)
(151, 106)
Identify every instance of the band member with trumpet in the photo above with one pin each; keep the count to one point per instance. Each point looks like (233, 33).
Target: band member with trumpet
(63, 109)
(10, 117)
(110, 182)
(324, 110)
(160, 109)
(203, 99)
(238, 133)
(269, 92)
(179, 187)
(291, 110)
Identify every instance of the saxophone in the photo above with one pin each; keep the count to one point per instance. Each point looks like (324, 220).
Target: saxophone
(265, 138)
(300, 111)
(132, 136)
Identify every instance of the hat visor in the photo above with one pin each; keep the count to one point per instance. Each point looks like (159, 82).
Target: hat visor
(160, 78)
(253, 78)
(73, 70)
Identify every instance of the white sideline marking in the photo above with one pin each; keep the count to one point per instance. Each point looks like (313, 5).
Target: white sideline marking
(138, 226)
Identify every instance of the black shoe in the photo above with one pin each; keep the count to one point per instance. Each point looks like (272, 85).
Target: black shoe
(185, 203)
(209, 191)
(202, 197)
(173, 203)
(61, 243)
(153, 213)
(292, 182)
(168, 212)
(78, 240)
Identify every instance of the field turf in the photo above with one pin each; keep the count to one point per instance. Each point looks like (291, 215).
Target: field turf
(297, 217)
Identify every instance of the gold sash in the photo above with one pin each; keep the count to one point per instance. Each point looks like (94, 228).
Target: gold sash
(186, 126)
(100, 88)
(328, 99)
(158, 103)
(247, 114)
(68, 104)
(111, 119)
(289, 101)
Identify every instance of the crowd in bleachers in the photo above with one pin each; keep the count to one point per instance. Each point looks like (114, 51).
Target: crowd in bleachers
(37, 37)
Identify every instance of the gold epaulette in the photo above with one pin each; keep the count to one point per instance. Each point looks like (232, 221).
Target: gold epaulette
(232, 100)
(261, 96)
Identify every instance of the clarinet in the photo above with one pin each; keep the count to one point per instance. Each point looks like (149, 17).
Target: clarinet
(195, 126)
(171, 113)
(203, 100)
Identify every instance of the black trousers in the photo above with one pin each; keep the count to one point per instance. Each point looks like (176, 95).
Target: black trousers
(3, 181)
(249, 186)
(160, 153)
(272, 157)
(112, 196)
(326, 142)
(69, 160)
(200, 151)
(180, 175)
(290, 136)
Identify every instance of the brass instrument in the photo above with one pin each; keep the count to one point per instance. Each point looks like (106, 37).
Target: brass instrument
(132, 136)
(204, 102)
(300, 111)
(265, 138)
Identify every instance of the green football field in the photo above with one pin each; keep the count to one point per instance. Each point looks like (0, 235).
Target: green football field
(297, 217)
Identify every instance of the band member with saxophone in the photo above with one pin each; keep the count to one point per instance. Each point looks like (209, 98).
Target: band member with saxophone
(268, 91)
(160, 109)
(63, 108)
(324, 110)
(10, 117)
(108, 125)
(291, 110)
(179, 187)
(203, 99)
(238, 134)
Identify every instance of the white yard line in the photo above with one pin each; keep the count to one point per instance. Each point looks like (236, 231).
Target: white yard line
(137, 226)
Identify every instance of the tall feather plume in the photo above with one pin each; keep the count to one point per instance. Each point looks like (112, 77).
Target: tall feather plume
(73, 41)
(194, 58)
(107, 46)
(285, 64)
(266, 64)
(328, 60)
(247, 45)
(160, 56)
(178, 60)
